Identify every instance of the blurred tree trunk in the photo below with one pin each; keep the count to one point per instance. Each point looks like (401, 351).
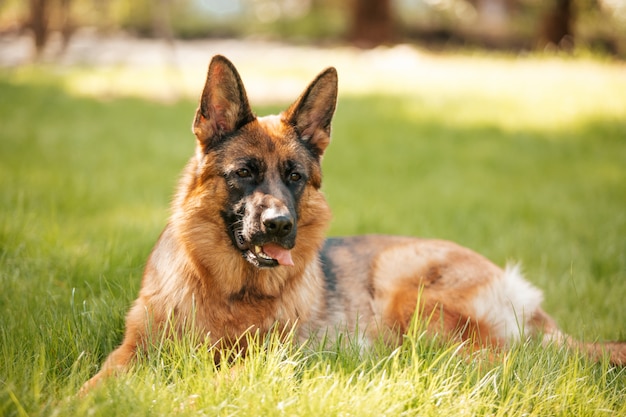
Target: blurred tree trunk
(38, 24)
(66, 24)
(372, 22)
(557, 26)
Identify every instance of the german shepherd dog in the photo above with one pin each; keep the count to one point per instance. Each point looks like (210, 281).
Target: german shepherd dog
(244, 248)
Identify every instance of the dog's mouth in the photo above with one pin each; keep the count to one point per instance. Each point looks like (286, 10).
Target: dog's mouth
(265, 255)
(271, 254)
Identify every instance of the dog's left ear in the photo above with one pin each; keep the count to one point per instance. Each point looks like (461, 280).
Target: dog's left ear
(313, 111)
(224, 105)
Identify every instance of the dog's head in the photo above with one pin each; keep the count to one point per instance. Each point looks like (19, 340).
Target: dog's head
(265, 170)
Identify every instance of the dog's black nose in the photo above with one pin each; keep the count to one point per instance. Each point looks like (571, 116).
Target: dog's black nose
(279, 226)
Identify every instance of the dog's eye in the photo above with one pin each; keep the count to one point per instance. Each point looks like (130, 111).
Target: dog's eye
(295, 177)
(243, 173)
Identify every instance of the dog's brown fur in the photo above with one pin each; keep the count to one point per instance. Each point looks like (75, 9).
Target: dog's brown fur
(244, 249)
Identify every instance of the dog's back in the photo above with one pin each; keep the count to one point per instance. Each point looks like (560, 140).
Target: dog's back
(456, 291)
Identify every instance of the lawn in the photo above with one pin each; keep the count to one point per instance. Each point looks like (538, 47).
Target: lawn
(521, 159)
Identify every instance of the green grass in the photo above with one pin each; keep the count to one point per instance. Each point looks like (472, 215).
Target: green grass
(519, 159)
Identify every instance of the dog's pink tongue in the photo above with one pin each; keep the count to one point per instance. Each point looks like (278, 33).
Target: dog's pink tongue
(282, 255)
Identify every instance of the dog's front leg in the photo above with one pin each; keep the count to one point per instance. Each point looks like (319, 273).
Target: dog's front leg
(138, 321)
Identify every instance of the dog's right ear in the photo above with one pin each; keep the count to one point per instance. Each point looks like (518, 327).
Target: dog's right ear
(224, 105)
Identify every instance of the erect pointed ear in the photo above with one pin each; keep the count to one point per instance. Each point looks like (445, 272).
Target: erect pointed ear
(313, 111)
(224, 105)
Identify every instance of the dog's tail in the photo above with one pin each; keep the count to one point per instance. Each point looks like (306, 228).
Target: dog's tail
(615, 352)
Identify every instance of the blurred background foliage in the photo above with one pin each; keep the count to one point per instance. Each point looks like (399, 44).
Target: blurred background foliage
(516, 25)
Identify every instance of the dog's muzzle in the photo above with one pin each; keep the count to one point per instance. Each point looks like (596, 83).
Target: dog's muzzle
(270, 244)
